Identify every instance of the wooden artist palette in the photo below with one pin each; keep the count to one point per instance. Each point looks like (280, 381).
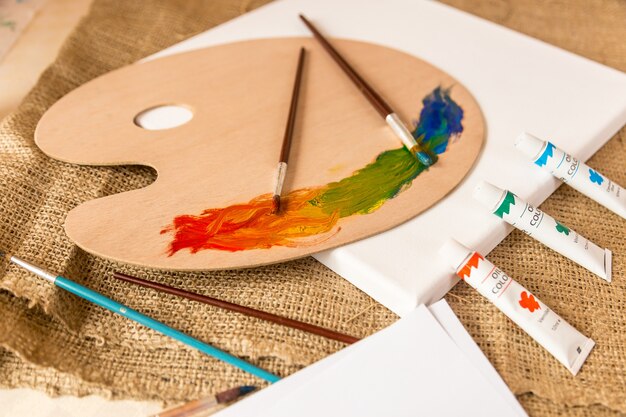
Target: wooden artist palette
(224, 158)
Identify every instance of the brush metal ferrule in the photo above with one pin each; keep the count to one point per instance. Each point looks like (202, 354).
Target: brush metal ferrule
(281, 171)
(34, 269)
(401, 131)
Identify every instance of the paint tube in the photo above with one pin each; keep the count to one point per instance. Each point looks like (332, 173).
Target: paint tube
(545, 229)
(574, 173)
(563, 341)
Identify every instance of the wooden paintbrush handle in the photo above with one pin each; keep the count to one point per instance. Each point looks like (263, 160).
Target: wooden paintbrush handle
(263, 315)
(372, 96)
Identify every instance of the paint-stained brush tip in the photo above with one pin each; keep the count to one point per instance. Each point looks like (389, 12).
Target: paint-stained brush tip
(425, 158)
(246, 389)
(275, 204)
(233, 393)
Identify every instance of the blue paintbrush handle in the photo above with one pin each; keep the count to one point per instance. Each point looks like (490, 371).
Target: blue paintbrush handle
(122, 310)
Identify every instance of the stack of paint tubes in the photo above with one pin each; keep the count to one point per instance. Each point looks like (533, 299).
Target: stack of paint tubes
(562, 340)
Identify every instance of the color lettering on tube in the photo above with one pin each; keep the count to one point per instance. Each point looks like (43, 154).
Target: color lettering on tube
(562, 340)
(539, 225)
(574, 173)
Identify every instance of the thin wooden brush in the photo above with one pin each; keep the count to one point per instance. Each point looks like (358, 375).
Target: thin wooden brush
(281, 169)
(381, 106)
(263, 315)
(203, 405)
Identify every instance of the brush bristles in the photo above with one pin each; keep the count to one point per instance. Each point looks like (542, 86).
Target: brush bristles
(275, 204)
(424, 158)
(245, 389)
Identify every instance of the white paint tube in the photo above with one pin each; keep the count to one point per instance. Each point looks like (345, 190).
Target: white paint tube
(564, 342)
(545, 229)
(576, 174)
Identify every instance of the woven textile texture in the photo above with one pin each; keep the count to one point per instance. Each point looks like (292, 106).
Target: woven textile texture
(53, 341)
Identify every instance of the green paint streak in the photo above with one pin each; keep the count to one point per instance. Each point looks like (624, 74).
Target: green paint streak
(505, 207)
(368, 188)
(561, 228)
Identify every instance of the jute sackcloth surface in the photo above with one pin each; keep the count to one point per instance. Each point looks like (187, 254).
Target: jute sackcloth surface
(56, 342)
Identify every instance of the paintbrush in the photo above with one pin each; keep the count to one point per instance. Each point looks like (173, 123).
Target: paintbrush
(281, 169)
(192, 408)
(263, 315)
(140, 318)
(383, 108)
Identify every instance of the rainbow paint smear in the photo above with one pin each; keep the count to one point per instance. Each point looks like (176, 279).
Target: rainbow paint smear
(310, 215)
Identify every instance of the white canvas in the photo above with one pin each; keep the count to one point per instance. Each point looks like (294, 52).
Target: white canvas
(408, 369)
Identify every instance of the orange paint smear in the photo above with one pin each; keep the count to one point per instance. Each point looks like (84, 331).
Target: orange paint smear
(253, 226)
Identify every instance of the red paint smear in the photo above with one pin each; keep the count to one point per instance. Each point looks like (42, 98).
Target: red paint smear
(472, 263)
(253, 226)
(528, 301)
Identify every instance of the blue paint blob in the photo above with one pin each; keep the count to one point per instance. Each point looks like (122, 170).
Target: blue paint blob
(440, 119)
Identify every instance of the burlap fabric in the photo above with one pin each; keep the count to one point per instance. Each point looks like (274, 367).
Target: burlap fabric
(55, 342)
